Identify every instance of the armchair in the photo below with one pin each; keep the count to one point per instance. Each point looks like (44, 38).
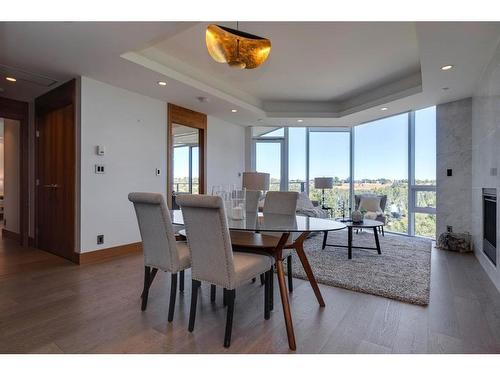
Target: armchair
(383, 202)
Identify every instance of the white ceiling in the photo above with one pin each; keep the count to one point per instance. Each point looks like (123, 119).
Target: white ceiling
(309, 61)
(328, 73)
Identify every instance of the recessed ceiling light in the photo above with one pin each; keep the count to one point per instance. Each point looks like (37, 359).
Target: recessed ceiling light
(446, 88)
(446, 67)
(384, 109)
(299, 120)
(234, 110)
(11, 79)
(162, 83)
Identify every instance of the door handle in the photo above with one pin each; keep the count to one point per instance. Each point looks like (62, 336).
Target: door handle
(51, 186)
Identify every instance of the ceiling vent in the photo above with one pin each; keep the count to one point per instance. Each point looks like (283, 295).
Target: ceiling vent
(22, 75)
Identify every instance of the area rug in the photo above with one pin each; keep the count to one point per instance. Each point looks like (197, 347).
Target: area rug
(402, 272)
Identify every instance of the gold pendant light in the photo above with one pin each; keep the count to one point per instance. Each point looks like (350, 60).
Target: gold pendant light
(236, 48)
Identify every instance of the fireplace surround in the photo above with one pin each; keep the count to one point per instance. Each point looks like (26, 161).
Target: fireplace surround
(490, 224)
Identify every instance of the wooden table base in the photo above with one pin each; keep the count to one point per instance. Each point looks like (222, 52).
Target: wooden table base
(278, 257)
(275, 247)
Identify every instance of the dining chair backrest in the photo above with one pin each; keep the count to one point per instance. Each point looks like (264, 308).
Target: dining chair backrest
(209, 239)
(252, 200)
(281, 202)
(157, 232)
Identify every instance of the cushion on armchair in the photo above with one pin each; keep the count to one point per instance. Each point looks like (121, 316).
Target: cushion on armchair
(370, 203)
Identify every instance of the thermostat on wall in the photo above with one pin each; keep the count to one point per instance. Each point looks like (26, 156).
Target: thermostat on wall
(100, 150)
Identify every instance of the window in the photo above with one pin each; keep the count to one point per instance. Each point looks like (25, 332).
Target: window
(186, 161)
(297, 159)
(381, 166)
(425, 146)
(425, 199)
(181, 169)
(423, 185)
(425, 225)
(394, 156)
(268, 160)
(329, 156)
(195, 161)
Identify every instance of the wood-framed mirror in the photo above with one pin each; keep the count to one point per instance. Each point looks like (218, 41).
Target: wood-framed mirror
(186, 152)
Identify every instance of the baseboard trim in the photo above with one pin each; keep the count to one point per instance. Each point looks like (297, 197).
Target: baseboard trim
(109, 253)
(12, 235)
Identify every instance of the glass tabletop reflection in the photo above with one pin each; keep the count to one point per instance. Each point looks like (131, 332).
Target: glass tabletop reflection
(273, 223)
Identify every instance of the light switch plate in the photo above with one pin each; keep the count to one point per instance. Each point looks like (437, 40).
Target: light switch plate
(493, 172)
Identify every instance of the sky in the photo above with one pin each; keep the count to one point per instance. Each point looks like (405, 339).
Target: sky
(381, 150)
(181, 162)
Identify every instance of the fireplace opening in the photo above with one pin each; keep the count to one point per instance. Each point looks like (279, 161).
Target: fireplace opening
(490, 224)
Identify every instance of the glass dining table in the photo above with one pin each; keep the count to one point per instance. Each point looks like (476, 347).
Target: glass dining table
(291, 232)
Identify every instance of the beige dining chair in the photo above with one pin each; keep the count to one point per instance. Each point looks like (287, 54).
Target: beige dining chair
(252, 198)
(283, 203)
(213, 260)
(160, 248)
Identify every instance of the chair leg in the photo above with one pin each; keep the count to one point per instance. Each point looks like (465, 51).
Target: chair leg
(229, 317)
(181, 281)
(271, 289)
(152, 275)
(262, 279)
(194, 299)
(383, 234)
(213, 292)
(289, 273)
(145, 290)
(173, 293)
(267, 302)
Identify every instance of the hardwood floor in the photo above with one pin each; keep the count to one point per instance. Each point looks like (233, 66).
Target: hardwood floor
(49, 305)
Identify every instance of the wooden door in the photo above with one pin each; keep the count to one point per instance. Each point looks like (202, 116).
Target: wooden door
(55, 181)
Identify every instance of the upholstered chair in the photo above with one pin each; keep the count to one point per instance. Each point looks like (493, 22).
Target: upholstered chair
(252, 200)
(383, 203)
(283, 203)
(213, 260)
(160, 248)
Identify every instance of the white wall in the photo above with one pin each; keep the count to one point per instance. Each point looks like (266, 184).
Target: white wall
(132, 128)
(485, 157)
(225, 153)
(11, 174)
